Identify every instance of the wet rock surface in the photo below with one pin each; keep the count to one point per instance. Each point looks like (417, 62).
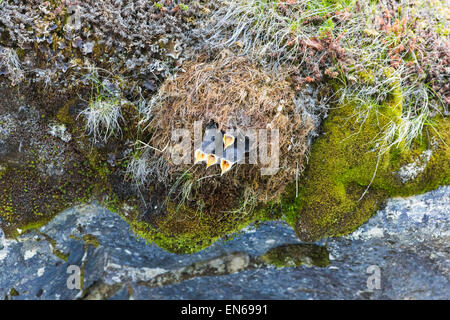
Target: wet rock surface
(407, 243)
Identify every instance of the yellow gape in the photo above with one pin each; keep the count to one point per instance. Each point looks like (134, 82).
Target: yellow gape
(200, 156)
(228, 140)
(211, 160)
(225, 166)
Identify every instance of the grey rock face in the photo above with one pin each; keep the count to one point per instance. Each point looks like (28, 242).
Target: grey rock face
(406, 245)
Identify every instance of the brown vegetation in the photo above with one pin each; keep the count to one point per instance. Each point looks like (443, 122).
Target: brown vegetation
(235, 95)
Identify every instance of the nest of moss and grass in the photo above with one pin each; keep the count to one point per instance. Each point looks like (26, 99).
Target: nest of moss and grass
(234, 94)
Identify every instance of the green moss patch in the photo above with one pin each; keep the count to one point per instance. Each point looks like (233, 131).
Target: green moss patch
(332, 199)
(294, 255)
(183, 230)
(32, 192)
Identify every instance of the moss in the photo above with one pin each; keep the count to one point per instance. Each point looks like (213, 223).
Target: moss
(294, 255)
(185, 230)
(64, 115)
(345, 160)
(30, 226)
(58, 253)
(29, 199)
(13, 292)
(90, 239)
(98, 163)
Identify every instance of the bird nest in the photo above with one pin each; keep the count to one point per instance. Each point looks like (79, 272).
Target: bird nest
(231, 94)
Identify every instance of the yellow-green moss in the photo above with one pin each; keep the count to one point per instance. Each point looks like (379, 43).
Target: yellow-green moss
(184, 230)
(90, 239)
(64, 115)
(294, 255)
(342, 164)
(30, 199)
(58, 253)
(13, 292)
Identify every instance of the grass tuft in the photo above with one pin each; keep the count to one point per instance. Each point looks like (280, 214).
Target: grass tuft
(104, 112)
(10, 65)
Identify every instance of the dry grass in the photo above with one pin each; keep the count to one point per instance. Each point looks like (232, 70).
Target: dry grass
(103, 115)
(236, 95)
(307, 34)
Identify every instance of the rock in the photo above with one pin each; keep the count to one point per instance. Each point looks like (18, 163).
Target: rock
(407, 243)
(87, 48)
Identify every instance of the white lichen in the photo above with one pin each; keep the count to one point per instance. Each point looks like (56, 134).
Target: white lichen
(29, 254)
(412, 170)
(10, 65)
(7, 126)
(59, 131)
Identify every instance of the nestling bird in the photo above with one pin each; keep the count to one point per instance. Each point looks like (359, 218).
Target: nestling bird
(207, 147)
(199, 156)
(232, 155)
(234, 149)
(207, 150)
(228, 140)
(212, 159)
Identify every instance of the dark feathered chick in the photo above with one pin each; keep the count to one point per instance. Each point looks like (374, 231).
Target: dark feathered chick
(231, 156)
(228, 140)
(207, 149)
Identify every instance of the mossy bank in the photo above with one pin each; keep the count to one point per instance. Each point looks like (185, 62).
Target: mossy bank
(348, 178)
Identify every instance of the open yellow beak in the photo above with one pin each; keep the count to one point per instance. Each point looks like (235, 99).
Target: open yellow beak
(225, 166)
(199, 156)
(210, 160)
(228, 140)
